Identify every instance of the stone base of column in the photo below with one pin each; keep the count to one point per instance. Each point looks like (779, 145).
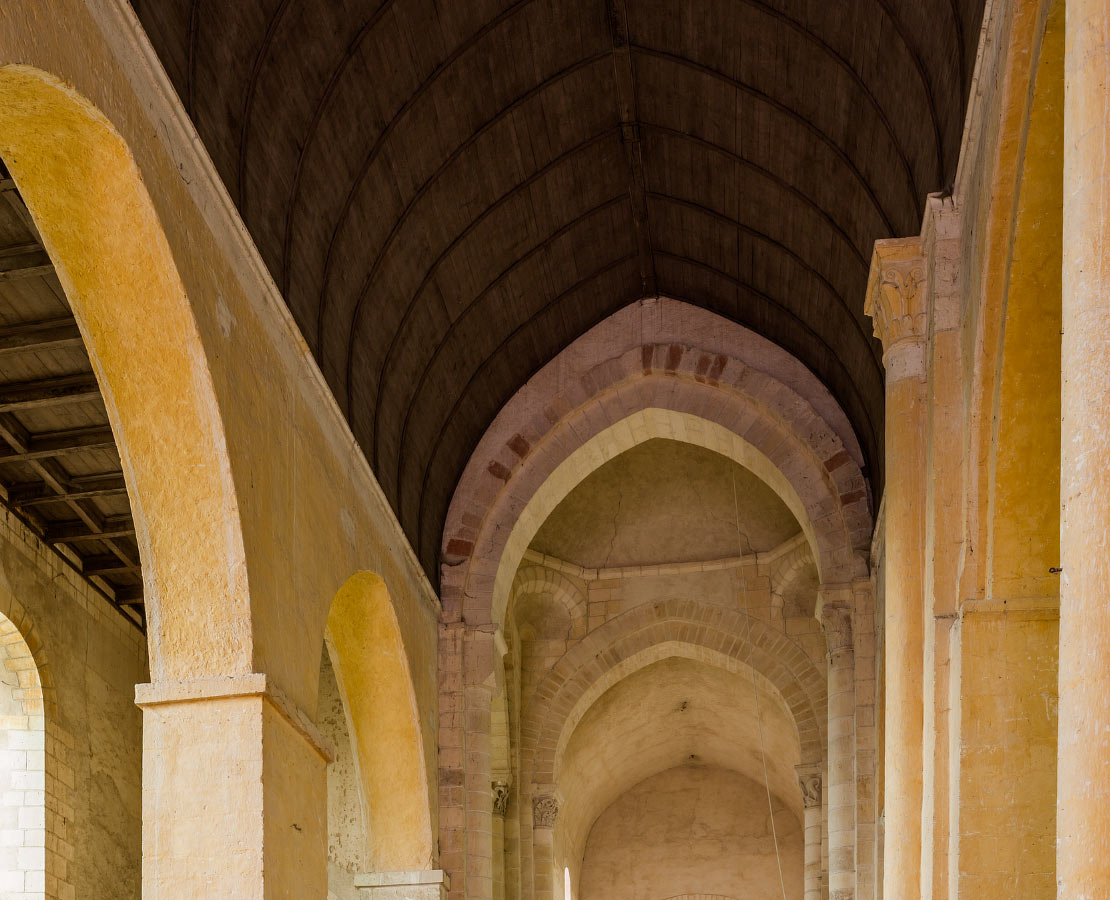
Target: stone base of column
(427, 884)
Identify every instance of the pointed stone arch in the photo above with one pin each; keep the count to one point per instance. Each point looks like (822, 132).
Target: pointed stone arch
(746, 399)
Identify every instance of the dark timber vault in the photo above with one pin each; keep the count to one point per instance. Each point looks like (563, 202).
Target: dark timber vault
(449, 193)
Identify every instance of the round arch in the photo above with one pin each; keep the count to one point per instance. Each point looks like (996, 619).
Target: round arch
(370, 658)
(99, 226)
(538, 579)
(649, 633)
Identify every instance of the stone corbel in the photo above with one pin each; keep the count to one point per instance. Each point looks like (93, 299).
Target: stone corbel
(837, 624)
(834, 612)
(809, 780)
(500, 787)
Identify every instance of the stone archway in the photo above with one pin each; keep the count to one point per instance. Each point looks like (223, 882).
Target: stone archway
(112, 257)
(656, 369)
(370, 660)
(775, 418)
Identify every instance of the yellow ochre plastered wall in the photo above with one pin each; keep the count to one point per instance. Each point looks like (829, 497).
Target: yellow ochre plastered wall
(252, 501)
(1006, 644)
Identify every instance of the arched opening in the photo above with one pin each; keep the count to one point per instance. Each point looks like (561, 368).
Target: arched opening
(609, 444)
(684, 563)
(372, 684)
(112, 257)
(665, 790)
(348, 812)
(22, 768)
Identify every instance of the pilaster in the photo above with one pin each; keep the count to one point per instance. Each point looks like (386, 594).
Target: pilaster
(1083, 791)
(234, 792)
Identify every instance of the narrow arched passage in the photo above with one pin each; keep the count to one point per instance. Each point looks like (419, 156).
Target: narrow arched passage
(371, 663)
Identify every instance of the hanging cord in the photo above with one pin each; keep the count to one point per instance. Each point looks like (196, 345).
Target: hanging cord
(755, 693)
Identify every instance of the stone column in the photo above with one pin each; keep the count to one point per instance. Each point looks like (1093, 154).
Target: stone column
(809, 779)
(545, 810)
(429, 884)
(836, 620)
(1083, 790)
(234, 792)
(895, 302)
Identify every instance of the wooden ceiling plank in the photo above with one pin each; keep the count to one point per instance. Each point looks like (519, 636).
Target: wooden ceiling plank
(10, 193)
(624, 88)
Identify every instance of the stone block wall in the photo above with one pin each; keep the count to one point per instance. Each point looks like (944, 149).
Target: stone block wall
(70, 734)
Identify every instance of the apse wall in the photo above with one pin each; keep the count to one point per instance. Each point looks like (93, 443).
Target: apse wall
(692, 831)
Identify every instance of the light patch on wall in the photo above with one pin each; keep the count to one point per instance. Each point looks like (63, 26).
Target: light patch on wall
(22, 769)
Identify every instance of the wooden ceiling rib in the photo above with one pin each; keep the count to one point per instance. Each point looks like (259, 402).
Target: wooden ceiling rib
(449, 194)
(59, 469)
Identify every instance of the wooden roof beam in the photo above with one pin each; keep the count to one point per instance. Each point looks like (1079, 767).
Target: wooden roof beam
(10, 193)
(71, 530)
(61, 443)
(36, 493)
(16, 396)
(24, 261)
(48, 334)
(129, 595)
(106, 564)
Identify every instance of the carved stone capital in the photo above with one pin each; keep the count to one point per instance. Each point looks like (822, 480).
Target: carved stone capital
(545, 810)
(837, 624)
(809, 780)
(500, 797)
(896, 291)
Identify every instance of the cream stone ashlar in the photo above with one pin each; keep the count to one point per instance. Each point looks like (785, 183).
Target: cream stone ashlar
(809, 780)
(1083, 803)
(428, 884)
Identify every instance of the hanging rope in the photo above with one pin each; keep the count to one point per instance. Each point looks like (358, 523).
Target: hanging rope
(755, 693)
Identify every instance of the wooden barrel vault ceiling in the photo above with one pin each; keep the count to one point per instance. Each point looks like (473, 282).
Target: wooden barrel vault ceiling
(448, 192)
